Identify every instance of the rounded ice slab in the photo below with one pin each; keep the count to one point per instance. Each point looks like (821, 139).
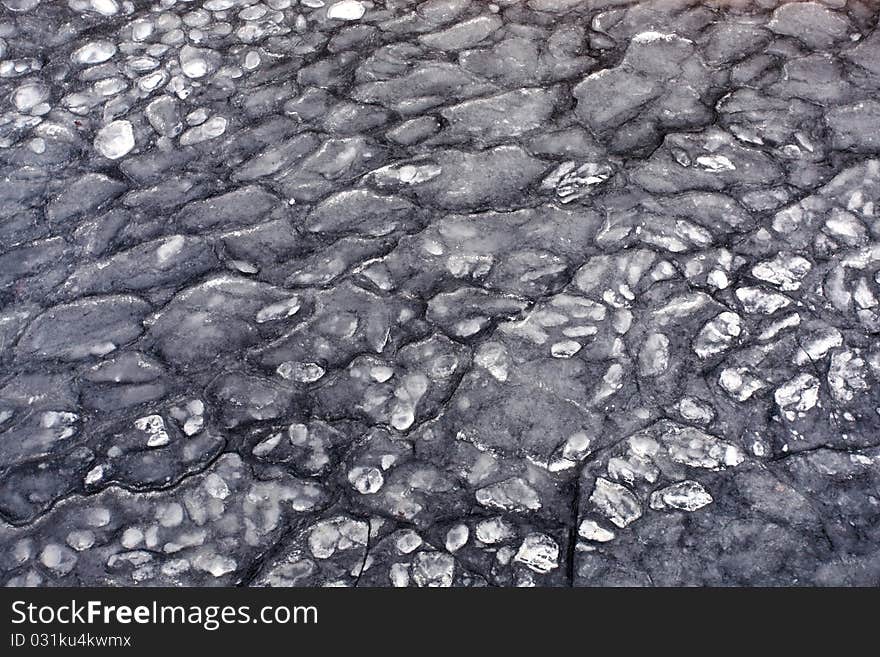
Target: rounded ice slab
(104, 7)
(20, 5)
(94, 52)
(115, 140)
(346, 10)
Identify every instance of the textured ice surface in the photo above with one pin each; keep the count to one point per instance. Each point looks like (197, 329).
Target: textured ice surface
(440, 292)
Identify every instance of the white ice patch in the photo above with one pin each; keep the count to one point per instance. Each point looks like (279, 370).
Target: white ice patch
(493, 357)
(591, 530)
(514, 494)
(651, 36)
(774, 329)
(615, 502)
(407, 398)
(818, 345)
(654, 355)
(846, 375)
(366, 480)
(717, 334)
(797, 396)
(695, 410)
(684, 496)
(785, 271)
(94, 475)
(565, 348)
(94, 52)
(210, 129)
(571, 182)
(755, 300)
(433, 569)
(300, 372)
(154, 427)
(698, 449)
(408, 541)
(169, 248)
(346, 10)
(739, 383)
(611, 382)
(115, 140)
(30, 95)
(105, 7)
(494, 530)
(215, 564)
(539, 553)
(339, 533)
(457, 537)
(282, 309)
(715, 163)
